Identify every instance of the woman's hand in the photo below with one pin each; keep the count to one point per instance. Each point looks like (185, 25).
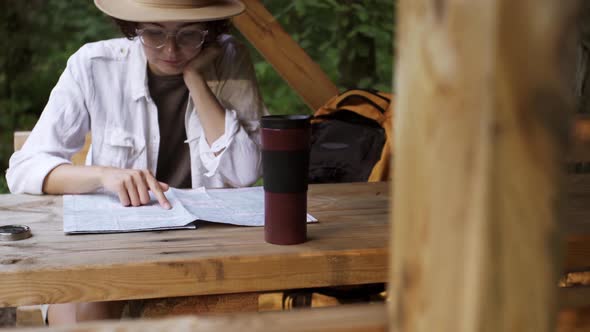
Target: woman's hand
(202, 60)
(133, 186)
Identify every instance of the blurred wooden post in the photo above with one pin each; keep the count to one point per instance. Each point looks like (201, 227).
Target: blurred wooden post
(481, 128)
(285, 55)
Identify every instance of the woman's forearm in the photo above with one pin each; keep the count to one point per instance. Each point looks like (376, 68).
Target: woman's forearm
(71, 179)
(211, 113)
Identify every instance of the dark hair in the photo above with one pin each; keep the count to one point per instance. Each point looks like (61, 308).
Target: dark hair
(215, 28)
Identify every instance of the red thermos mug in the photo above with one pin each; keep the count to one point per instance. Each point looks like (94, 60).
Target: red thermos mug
(285, 164)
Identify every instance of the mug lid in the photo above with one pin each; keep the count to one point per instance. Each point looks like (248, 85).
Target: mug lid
(296, 121)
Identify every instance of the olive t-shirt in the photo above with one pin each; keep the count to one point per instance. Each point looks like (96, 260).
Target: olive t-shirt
(171, 94)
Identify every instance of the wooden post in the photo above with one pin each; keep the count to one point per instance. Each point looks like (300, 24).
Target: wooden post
(483, 101)
(285, 55)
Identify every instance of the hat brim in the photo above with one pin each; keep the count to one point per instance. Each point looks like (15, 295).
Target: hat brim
(132, 11)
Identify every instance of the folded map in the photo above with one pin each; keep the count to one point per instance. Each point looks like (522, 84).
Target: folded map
(103, 213)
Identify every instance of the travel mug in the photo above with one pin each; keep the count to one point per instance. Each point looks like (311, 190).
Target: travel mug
(285, 163)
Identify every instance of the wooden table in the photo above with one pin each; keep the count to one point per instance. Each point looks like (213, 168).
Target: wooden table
(348, 246)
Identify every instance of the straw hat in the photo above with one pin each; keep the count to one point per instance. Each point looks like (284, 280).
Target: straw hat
(170, 10)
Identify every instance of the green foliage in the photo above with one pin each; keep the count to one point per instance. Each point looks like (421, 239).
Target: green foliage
(350, 40)
(38, 36)
(3, 185)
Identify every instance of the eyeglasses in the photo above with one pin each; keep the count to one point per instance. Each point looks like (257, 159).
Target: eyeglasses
(189, 38)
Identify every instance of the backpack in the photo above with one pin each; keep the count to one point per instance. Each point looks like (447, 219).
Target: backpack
(351, 138)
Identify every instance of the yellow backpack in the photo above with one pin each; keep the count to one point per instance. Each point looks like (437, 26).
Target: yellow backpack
(352, 138)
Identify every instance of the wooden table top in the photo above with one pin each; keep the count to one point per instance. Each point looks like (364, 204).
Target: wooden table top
(348, 246)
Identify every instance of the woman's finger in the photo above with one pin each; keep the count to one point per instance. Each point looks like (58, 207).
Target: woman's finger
(157, 190)
(132, 191)
(123, 196)
(142, 188)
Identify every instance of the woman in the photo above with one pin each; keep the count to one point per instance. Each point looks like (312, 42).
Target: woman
(174, 104)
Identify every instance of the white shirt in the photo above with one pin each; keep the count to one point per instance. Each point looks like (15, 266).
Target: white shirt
(104, 90)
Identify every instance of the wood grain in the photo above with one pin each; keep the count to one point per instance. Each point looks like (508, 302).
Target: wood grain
(481, 135)
(29, 316)
(347, 246)
(304, 76)
(201, 305)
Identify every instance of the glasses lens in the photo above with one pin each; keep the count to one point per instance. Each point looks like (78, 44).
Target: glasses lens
(190, 38)
(153, 37)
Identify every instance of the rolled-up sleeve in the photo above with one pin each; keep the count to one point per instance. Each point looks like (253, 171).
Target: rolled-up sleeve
(236, 154)
(59, 133)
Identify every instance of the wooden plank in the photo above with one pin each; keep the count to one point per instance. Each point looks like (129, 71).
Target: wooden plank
(575, 279)
(346, 247)
(580, 150)
(304, 76)
(20, 137)
(481, 132)
(348, 318)
(576, 222)
(204, 304)
(352, 318)
(574, 292)
(30, 315)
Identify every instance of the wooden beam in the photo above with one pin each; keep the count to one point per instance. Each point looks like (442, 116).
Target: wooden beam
(285, 55)
(481, 131)
(352, 318)
(348, 318)
(204, 304)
